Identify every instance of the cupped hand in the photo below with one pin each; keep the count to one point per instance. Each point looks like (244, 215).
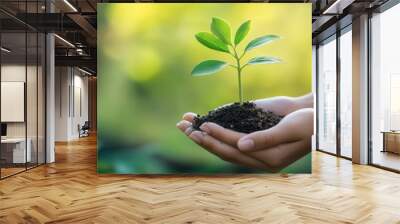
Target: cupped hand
(282, 144)
(274, 148)
(220, 143)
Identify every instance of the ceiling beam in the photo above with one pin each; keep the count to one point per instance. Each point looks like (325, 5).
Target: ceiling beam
(49, 22)
(82, 61)
(320, 22)
(86, 26)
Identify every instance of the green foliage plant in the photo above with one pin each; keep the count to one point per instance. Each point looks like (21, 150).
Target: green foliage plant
(219, 39)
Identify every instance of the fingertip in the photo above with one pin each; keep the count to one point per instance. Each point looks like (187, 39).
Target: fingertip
(183, 125)
(180, 124)
(189, 116)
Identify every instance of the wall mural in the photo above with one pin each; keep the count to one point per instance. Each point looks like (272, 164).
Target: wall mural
(204, 88)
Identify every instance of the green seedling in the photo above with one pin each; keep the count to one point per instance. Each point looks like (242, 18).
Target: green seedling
(220, 40)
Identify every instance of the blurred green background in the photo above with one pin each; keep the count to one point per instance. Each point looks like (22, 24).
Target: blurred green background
(146, 52)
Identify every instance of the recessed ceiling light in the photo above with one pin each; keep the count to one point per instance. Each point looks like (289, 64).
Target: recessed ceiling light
(84, 71)
(5, 50)
(70, 5)
(64, 40)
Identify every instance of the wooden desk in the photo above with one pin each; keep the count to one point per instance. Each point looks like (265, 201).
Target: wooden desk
(17, 150)
(391, 141)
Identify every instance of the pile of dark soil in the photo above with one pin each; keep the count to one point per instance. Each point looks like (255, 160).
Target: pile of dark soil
(245, 118)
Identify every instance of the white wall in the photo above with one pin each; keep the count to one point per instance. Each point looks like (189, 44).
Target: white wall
(71, 102)
(16, 73)
(80, 110)
(62, 82)
(12, 72)
(9, 73)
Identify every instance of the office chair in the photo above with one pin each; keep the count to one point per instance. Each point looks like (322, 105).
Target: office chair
(84, 130)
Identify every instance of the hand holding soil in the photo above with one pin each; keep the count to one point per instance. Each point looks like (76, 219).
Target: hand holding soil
(266, 134)
(273, 148)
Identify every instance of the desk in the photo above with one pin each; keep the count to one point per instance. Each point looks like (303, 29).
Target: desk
(17, 150)
(391, 141)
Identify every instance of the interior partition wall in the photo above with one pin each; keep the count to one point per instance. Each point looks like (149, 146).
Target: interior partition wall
(22, 89)
(334, 94)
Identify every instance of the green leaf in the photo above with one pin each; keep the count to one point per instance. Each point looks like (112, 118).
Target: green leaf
(242, 31)
(211, 41)
(208, 67)
(260, 41)
(221, 29)
(263, 60)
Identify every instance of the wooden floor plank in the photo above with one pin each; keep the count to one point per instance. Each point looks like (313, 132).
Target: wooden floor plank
(70, 191)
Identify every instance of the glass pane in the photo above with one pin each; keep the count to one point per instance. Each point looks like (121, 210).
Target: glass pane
(32, 87)
(22, 90)
(346, 94)
(386, 89)
(32, 95)
(14, 153)
(327, 96)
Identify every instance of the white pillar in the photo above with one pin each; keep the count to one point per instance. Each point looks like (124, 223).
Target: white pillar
(50, 92)
(50, 98)
(360, 90)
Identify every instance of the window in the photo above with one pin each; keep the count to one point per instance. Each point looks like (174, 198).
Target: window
(327, 95)
(346, 92)
(385, 89)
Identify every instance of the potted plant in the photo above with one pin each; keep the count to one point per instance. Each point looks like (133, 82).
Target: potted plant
(240, 116)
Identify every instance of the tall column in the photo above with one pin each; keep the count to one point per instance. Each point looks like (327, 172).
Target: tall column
(50, 92)
(360, 90)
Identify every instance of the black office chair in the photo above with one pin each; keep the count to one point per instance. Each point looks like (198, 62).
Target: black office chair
(84, 130)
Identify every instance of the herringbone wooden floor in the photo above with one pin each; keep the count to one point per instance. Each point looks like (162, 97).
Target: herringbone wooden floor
(70, 191)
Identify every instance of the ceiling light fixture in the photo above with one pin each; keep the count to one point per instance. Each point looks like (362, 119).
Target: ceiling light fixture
(84, 71)
(79, 51)
(5, 50)
(70, 5)
(65, 41)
